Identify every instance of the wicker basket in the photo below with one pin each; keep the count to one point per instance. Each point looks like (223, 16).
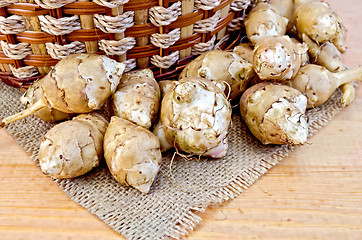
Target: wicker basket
(160, 34)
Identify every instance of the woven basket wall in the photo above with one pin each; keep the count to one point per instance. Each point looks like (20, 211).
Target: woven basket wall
(160, 34)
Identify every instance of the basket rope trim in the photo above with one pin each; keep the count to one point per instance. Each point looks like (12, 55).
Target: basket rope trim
(16, 51)
(114, 47)
(202, 47)
(59, 52)
(167, 39)
(59, 26)
(165, 61)
(12, 25)
(5, 3)
(111, 3)
(116, 24)
(161, 16)
(206, 4)
(52, 4)
(24, 72)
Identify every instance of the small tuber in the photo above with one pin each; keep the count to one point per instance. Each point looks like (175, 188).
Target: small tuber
(227, 70)
(137, 98)
(328, 56)
(278, 58)
(74, 147)
(318, 84)
(317, 20)
(264, 20)
(195, 117)
(132, 153)
(275, 113)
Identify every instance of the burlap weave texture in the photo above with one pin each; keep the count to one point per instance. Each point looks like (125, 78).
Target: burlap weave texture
(181, 189)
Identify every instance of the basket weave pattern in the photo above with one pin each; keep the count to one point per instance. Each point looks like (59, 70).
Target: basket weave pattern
(160, 34)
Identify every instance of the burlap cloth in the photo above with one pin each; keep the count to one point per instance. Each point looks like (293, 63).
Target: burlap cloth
(181, 189)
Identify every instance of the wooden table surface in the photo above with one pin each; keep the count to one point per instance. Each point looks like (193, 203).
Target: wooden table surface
(314, 193)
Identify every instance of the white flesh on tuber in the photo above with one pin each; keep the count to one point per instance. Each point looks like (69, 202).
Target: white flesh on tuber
(264, 20)
(275, 113)
(195, 116)
(278, 58)
(132, 153)
(229, 71)
(137, 98)
(79, 83)
(318, 84)
(74, 147)
(317, 20)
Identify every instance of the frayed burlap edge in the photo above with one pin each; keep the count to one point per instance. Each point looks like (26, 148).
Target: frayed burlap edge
(249, 177)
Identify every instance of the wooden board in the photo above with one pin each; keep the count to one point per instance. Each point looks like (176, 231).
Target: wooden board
(315, 193)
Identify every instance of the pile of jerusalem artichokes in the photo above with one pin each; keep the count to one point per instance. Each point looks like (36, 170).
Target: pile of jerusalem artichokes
(130, 119)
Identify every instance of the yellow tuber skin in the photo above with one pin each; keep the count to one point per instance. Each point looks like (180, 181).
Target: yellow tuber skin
(79, 83)
(275, 113)
(137, 98)
(317, 20)
(278, 58)
(33, 94)
(166, 85)
(73, 148)
(227, 70)
(328, 56)
(318, 84)
(158, 130)
(264, 20)
(195, 117)
(245, 51)
(132, 153)
(286, 9)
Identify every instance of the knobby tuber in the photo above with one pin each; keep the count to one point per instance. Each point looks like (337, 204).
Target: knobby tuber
(79, 83)
(278, 58)
(318, 84)
(328, 56)
(33, 94)
(245, 51)
(229, 71)
(275, 113)
(264, 20)
(74, 147)
(286, 9)
(137, 98)
(317, 20)
(195, 117)
(166, 85)
(132, 153)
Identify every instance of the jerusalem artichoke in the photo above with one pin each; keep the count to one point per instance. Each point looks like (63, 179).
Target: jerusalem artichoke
(223, 69)
(195, 116)
(137, 98)
(132, 153)
(79, 83)
(318, 84)
(275, 113)
(278, 58)
(74, 147)
(264, 20)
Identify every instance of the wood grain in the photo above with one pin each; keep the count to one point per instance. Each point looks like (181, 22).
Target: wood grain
(314, 193)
